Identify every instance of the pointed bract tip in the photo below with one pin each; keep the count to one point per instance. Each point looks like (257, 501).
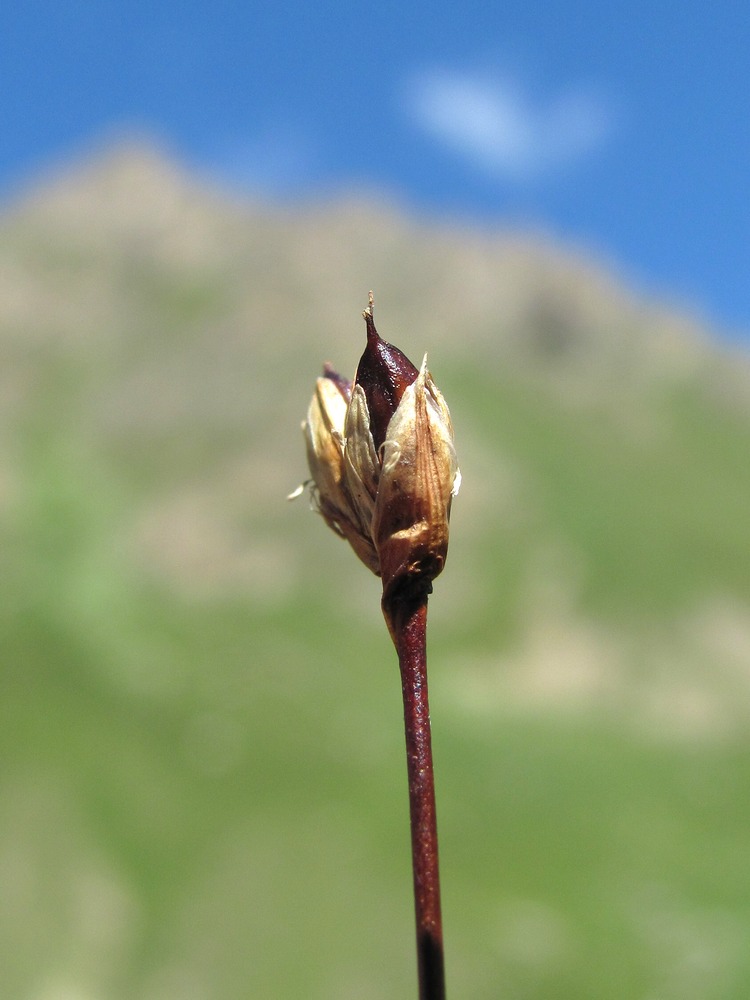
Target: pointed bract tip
(384, 372)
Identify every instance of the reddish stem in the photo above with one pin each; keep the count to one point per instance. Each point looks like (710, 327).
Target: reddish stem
(406, 615)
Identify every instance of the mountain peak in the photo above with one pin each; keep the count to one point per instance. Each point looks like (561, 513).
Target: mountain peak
(130, 184)
(518, 299)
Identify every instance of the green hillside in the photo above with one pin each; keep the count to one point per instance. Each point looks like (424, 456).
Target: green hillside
(202, 781)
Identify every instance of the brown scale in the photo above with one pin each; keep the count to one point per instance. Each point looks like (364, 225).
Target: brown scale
(384, 373)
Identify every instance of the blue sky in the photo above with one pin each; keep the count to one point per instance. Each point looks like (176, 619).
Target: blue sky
(624, 129)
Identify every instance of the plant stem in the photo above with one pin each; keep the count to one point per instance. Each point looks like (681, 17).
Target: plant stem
(406, 616)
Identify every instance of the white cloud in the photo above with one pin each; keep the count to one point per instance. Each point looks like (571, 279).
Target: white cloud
(501, 130)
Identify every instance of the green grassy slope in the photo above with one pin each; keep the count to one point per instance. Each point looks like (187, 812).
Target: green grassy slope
(202, 785)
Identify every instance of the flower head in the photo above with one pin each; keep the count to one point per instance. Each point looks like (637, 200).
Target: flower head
(383, 463)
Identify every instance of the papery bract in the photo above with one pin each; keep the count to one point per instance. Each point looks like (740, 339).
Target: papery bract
(418, 479)
(324, 436)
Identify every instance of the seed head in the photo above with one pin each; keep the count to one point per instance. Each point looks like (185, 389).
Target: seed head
(383, 463)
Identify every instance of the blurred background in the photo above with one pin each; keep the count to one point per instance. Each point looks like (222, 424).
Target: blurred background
(202, 778)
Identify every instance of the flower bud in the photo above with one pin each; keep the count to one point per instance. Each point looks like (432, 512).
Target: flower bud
(383, 463)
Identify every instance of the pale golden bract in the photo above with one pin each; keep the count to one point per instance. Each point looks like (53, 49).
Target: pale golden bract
(324, 436)
(393, 506)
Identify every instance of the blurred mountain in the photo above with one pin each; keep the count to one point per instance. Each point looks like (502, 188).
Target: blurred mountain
(201, 744)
